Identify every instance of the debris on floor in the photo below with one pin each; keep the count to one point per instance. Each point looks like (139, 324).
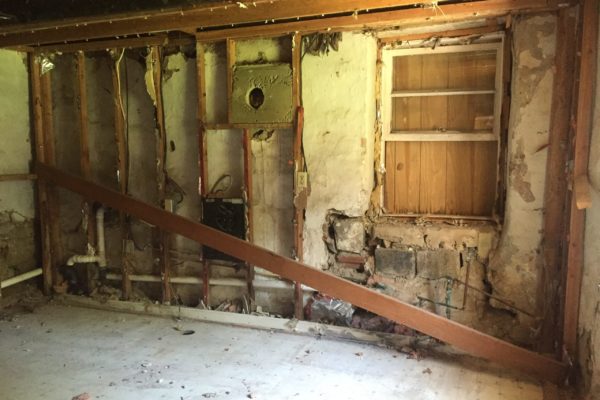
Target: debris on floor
(82, 396)
(368, 321)
(325, 309)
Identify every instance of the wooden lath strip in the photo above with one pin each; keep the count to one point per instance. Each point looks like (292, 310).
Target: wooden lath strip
(477, 343)
(227, 14)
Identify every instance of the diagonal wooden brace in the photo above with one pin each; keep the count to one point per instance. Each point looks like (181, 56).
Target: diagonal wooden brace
(474, 342)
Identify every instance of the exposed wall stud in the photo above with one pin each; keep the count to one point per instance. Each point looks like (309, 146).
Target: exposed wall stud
(581, 154)
(164, 238)
(556, 179)
(52, 202)
(122, 167)
(247, 146)
(230, 66)
(300, 184)
(42, 195)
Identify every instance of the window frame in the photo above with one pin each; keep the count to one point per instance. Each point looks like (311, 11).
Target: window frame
(387, 96)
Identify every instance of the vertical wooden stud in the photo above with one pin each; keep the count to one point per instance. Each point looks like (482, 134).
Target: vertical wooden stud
(52, 204)
(122, 167)
(81, 104)
(230, 66)
(556, 177)
(164, 238)
(299, 169)
(581, 153)
(202, 161)
(247, 146)
(39, 144)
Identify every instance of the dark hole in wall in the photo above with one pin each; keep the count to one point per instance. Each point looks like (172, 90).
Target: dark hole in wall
(256, 98)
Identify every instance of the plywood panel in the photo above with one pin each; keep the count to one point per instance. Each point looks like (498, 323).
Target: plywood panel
(459, 156)
(433, 154)
(485, 164)
(408, 175)
(459, 178)
(432, 196)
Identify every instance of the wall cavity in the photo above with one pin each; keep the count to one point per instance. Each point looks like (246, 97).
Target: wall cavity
(18, 248)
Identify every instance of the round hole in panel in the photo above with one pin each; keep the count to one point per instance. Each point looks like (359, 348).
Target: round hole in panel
(256, 98)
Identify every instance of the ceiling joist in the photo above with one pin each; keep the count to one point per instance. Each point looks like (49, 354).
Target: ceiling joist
(268, 17)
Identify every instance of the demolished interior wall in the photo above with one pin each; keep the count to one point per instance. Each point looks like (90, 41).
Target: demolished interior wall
(589, 313)
(18, 244)
(424, 263)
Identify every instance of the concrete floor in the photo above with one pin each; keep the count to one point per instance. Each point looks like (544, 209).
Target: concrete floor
(57, 352)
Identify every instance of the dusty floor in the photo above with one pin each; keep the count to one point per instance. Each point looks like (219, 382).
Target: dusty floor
(56, 352)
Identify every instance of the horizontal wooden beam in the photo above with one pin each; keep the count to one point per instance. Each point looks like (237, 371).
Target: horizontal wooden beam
(17, 177)
(380, 19)
(210, 15)
(465, 338)
(98, 45)
(361, 13)
(482, 30)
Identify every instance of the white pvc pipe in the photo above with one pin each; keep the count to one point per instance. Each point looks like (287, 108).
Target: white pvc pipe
(20, 278)
(192, 280)
(90, 257)
(100, 237)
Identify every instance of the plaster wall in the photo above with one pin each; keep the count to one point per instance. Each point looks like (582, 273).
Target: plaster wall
(17, 203)
(514, 267)
(338, 93)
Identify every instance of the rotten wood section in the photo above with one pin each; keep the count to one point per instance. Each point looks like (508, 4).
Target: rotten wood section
(581, 154)
(359, 14)
(163, 238)
(122, 159)
(476, 343)
(247, 149)
(40, 156)
(556, 177)
(17, 177)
